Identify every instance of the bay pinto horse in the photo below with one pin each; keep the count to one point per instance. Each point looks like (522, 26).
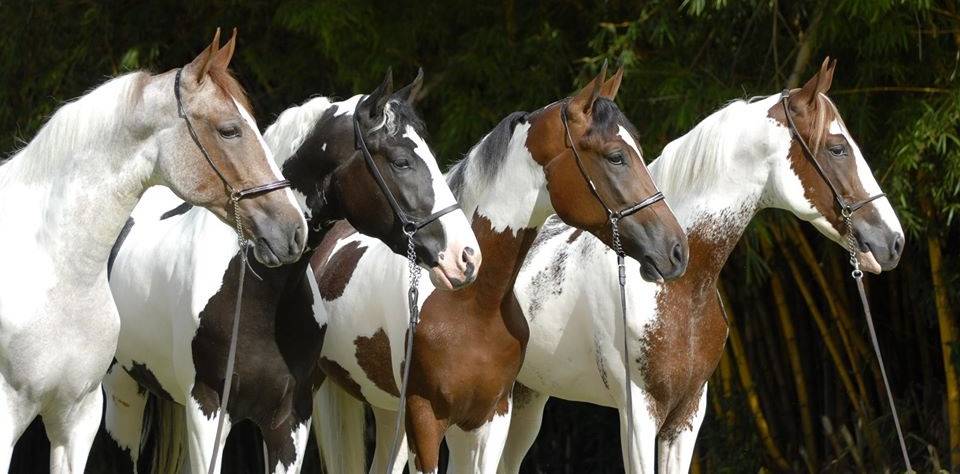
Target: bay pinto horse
(175, 280)
(64, 199)
(737, 161)
(470, 343)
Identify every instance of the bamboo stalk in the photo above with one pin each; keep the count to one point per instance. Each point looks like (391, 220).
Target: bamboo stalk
(753, 401)
(948, 339)
(793, 353)
(832, 438)
(726, 379)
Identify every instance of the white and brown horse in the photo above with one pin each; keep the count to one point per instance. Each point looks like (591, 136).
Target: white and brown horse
(64, 199)
(175, 281)
(470, 343)
(737, 161)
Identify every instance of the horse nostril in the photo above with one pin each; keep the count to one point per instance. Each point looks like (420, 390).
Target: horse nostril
(470, 267)
(897, 245)
(677, 254)
(467, 253)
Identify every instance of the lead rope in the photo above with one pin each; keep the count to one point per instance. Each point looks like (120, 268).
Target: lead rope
(413, 294)
(622, 278)
(857, 275)
(232, 352)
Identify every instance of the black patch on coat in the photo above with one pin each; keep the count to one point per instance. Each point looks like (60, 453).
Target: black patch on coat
(181, 209)
(147, 381)
(277, 352)
(116, 245)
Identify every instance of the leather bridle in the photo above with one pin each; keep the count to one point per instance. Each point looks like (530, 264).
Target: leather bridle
(235, 194)
(846, 212)
(408, 225)
(614, 217)
(846, 209)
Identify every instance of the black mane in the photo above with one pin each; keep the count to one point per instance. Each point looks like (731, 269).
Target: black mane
(489, 152)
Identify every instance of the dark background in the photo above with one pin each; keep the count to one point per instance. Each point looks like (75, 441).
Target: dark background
(896, 85)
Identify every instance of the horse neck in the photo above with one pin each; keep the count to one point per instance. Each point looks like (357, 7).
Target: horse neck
(714, 179)
(89, 165)
(505, 193)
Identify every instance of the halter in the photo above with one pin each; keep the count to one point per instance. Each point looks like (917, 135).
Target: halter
(410, 227)
(614, 218)
(846, 211)
(235, 196)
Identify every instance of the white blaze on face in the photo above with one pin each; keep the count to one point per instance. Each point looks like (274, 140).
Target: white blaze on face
(297, 200)
(442, 196)
(868, 181)
(628, 139)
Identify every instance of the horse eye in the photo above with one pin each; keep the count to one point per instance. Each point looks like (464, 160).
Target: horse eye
(838, 151)
(401, 164)
(615, 157)
(229, 132)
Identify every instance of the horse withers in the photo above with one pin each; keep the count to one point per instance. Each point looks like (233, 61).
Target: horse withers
(175, 252)
(64, 199)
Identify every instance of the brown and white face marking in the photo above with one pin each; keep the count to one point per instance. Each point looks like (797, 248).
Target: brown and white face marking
(219, 111)
(606, 142)
(875, 226)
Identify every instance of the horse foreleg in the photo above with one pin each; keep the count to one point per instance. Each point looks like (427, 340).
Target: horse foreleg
(201, 436)
(386, 424)
(641, 448)
(425, 432)
(675, 453)
(71, 430)
(125, 403)
(285, 446)
(479, 450)
(525, 421)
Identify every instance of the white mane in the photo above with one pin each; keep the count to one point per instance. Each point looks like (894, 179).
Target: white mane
(293, 126)
(702, 154)
(82, 124)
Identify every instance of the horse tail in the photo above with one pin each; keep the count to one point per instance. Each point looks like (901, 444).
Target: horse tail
(339, 424)
(166, 420)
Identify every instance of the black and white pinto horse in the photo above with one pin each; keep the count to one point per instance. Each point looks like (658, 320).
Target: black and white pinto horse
(64, 199)
(175, 281)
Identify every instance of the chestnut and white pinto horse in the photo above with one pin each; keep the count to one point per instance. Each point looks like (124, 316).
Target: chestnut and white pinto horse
(469, 344)
(175, 274)
(64, 199)
(737, 161)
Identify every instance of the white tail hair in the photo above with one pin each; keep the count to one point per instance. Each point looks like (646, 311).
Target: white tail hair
(339, 424)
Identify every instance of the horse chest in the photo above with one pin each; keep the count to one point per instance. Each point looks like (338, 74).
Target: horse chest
(470, 354)
(681, 349)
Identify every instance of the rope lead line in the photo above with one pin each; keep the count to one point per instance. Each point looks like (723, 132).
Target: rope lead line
(232, 352)
(857, 275)
(622, 279)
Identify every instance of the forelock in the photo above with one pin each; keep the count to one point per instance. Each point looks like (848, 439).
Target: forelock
(225, 80)
(607, 118)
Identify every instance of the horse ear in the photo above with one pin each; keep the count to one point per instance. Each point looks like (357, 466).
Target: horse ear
(612, 86)
(409, 92)
(374, 103)
(223, 56)
(583, 101)
(197, 69)
(818, 84)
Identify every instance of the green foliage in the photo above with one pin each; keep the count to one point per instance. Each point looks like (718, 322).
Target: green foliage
(896, 85)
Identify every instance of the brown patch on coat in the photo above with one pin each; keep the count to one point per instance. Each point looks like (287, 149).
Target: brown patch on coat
(338, 374)
(468, 347)
(683, 347)
(332, 282)
(378, 367)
